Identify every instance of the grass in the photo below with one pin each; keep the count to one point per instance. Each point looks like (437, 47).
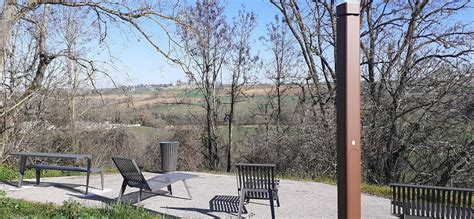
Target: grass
(189, 93)
(16, 208)
(177, 109)
(248, 105)
(9, 173)
(145, 131)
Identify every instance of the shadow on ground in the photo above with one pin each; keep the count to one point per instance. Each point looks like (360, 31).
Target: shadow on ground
(219, 203)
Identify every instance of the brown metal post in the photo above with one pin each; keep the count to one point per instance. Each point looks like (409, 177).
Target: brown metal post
(348, 111)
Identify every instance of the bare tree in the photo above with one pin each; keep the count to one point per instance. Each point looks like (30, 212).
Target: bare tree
(284, 65)
(241, 65)
(11, 101)
(206, 46)
(23, 16)
(5, 30)
(313, 27)
(283, 69)
(416, 66)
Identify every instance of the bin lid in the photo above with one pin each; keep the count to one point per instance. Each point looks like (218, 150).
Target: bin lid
(169, 142)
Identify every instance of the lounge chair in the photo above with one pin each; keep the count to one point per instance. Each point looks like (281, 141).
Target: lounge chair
(257, 181)
(133, 177)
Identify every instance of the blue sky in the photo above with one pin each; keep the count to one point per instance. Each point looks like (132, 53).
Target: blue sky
(138, 63)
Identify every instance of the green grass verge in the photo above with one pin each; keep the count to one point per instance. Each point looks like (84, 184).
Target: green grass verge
(16, 208)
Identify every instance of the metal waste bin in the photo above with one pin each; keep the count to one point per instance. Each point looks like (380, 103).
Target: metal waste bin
(169, 155)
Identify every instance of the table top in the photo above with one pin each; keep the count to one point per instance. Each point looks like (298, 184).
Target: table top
(53, 155)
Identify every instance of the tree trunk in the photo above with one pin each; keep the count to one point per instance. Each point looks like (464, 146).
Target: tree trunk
(278, 91)
(5, 34)
(229, 127)
(5, 31)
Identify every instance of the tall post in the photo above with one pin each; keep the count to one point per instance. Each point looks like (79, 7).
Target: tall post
(348, 110)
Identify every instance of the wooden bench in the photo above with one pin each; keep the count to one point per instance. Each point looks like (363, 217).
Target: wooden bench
(416, 201)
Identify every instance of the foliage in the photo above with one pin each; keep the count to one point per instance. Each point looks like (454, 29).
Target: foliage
(15, 208)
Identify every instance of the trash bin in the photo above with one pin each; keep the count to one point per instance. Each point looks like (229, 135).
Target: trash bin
(169, 155)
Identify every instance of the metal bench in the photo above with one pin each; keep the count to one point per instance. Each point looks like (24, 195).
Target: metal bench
(416, 201)
(133, 177)
(257, 181)
(38, 167)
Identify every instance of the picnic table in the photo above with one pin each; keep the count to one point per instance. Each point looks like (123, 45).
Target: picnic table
(38, 167)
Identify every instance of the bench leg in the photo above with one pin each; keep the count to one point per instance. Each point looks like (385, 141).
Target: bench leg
(277, 199)
(272, 207)
(22, 170)
(122, 190)
(38, 175)
(139, 197)
(88, 174)
(241, 202)
(102, 179)
(187, 189)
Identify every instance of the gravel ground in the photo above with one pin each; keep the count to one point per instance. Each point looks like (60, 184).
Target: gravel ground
(298, 199)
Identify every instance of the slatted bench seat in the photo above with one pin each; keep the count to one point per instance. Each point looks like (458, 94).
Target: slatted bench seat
(225, 203)
(39, 167)
(416, 201)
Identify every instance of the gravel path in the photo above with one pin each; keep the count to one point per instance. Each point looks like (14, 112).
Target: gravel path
(298, 199)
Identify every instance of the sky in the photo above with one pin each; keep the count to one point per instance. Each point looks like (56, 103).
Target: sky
(136, 62)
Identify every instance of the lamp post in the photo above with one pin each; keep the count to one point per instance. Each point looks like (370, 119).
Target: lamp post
(348, 110)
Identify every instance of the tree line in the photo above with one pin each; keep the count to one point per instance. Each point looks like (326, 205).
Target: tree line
(416, 67)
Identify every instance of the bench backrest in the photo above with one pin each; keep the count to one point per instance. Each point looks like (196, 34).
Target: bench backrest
(130, 172)
(256, 176)
(431, 201)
